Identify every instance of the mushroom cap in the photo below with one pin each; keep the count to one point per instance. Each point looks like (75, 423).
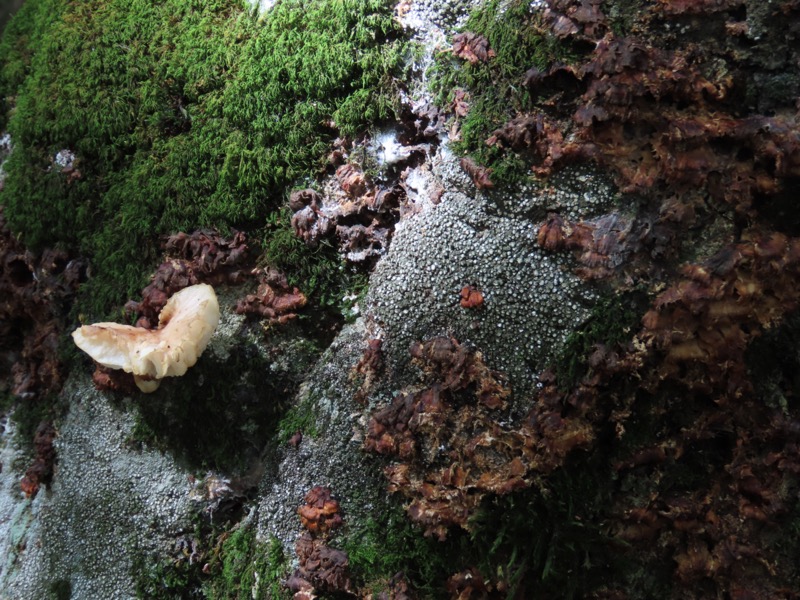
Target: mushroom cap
(185, 327)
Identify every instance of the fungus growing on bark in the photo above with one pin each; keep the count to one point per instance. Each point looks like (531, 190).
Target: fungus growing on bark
(184, 329)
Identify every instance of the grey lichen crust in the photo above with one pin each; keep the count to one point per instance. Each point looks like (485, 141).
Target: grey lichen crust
(331, 456)
(532, 300)
(107, 505)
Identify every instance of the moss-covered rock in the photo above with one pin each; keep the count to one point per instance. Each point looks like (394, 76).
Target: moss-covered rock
(178, 116)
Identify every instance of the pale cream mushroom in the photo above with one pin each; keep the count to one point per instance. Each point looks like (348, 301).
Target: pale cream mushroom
(185, 326)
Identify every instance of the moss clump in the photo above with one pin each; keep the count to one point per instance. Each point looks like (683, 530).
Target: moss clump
(180, 115)
(496, 93)
(547, 541)
(320, 272)
(235, 566)
(300, 418)
(389, 544)
(245, 568)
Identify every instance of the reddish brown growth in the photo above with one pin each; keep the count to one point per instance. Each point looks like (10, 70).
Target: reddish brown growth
(481, 176)
(704, 323)
(453, 450)
(114, 380)
(201, 257)
(322, 569)
(472, 47)
(705, 461)
(361, 216)
(690, 358)
(659, 117)
(41, 471)
(569, 18)
(352, 180)
(321, 512)
(399, 589)
(471, 297)
(460, 104)
(299, 199)
(601, 245)
(274, 300)
(469, 585)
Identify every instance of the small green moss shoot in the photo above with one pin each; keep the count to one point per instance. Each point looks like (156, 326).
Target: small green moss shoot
(181, 115)
(496, 93)
(300, 418)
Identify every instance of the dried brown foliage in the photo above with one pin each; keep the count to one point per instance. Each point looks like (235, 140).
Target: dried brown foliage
(471, 297)
(453, 445)
(200, 257)
(472, 47)
(35, 294)
(481, 176)
(274, 299)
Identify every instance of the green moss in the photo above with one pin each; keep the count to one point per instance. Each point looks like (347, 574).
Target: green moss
(245, 569)
(181, 115)
(235, 566)
(773, 362)
(390, 544)
(166, 579)
(622, 15)
(495, 88)
(299, 418)
(548, 541)
(321, 273)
